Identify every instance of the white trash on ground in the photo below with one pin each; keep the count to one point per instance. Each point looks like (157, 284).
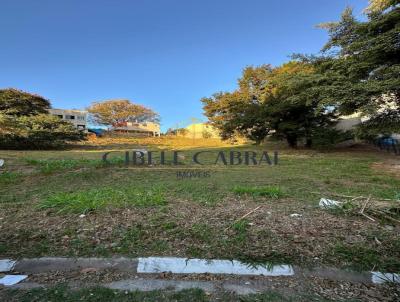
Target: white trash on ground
(6, 265)
(1, 162)
(379, 278)
(325, 203)
(295, 215)
(9, 280)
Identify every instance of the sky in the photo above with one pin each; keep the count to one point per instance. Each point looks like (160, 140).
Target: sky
(164, 54)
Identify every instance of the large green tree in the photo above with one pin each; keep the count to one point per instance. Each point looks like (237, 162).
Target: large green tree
(36, 132)
(241, 112)
(281, 99)
(26, 124)
(114, 112)
(19, 103)
(237, 114)
(294, 108)
(362, 65)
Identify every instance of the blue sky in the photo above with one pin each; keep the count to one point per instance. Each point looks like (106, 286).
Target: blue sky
(165, 54)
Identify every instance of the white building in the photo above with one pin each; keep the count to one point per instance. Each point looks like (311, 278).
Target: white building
(76, 117)
(137, 129)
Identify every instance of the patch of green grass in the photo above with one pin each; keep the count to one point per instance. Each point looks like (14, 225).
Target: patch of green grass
(241, 227)
(269, 260)
(268, 191)
(362, 257)
(99, 294)
(132, 241)
(49, 166)
(9, 177)
(96, 199)
(202, 232)
(88, 187)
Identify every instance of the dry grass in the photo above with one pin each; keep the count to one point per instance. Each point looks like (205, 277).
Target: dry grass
(200, 217)
(163, 142)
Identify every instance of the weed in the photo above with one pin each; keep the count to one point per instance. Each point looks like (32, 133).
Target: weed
(268, 191)
(241, 227)
(201, 232)
(9, 177)
(360, 256)
(131, 242)
(170, 225)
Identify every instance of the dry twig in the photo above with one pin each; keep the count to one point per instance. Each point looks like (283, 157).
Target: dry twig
(244, 216)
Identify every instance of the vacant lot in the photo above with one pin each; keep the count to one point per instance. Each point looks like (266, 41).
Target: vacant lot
(59, 203)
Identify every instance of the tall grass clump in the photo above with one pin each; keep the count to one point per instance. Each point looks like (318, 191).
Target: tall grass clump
(9, 177)
(96, 199)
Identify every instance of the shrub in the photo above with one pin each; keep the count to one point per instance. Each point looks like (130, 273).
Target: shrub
(329, 137)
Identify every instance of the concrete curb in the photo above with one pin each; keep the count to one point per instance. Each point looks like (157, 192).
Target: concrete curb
(63, 264)
(122, 264)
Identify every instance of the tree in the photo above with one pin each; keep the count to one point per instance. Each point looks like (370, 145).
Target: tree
(241, 112)
(377, 6)
(7, 125)
(364, 62)
(19, 103)
(296, 109)
(280, 99)
(114, 112)
(36, 132)
(236, 114)
(26, 124)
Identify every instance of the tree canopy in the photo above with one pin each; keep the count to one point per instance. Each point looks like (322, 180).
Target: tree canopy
(377, 6)
(358, 72)
(279, 99)
(114, 112)
(26, 124)
(19, 103)
(364, 61)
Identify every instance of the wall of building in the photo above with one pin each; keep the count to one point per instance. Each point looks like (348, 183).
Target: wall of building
(146, 126)
(201, 130)
(76, 117)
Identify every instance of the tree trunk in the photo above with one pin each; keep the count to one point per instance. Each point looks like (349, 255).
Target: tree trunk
(292, 140)
(308, 143)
